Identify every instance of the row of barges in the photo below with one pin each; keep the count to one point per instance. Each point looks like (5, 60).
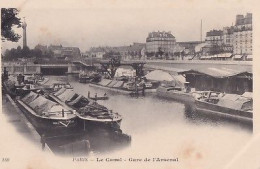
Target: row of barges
(66, 109)
(176, 87)
(57, 106)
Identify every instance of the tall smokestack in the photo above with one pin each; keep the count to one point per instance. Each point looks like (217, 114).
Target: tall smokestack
(24, 25)
(201, 30)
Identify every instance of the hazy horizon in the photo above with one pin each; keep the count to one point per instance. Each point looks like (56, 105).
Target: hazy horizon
(92, 26)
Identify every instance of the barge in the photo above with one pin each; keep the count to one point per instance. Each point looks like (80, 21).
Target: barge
(238, 106)
(88, 111)
(46, 114)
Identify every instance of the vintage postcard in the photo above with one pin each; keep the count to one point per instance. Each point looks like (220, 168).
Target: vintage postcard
(130, 84)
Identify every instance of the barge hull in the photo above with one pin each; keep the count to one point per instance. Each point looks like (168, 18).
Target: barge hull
(46, 124)
(211, 108)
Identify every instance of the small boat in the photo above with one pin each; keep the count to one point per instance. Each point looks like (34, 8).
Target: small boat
(99, 98)
(84, 78)
(46, 114)
(239, 106)
(88, 77)
(86, 109)
(105, 97)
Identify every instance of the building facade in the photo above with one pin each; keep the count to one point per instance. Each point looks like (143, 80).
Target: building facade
(160, 42)
(190, 47)
(228, 35)
(228, 39)
(237, 39)
(243, 36)
(134, 51)
(214, 37)
(68, 52)
(97, 52)
(64, 52)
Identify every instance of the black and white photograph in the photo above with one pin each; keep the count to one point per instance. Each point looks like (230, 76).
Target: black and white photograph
(129, 84)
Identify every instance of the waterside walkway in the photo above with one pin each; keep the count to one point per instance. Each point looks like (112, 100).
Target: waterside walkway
(14, 115)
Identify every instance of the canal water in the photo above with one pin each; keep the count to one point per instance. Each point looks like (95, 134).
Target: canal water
(167, 129)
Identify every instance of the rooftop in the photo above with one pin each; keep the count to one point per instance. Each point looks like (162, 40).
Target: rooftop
(242, 20)
(215, 33)
(159, 34)
(218, 72)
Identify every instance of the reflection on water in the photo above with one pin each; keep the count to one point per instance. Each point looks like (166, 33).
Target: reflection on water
(79, 142)
(199, 118)
(166, 126)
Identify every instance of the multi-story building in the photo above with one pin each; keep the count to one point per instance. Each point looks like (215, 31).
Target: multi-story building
(228, 39)
(68, 52)
(234, 39)
(214, 42)
(64, 52)
(214, 37)
(134, 51)
(160, 42)
(228, 35)
(242, 36)
(97, 52)
(190, 46)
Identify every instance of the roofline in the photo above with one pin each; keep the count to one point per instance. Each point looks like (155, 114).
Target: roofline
(202, 73)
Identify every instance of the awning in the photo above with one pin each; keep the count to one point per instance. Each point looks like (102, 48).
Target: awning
(205, 57)
(238, 56)
(225, 55)
(249, 57)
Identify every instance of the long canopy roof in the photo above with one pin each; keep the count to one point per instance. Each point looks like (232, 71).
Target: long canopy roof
(159, 75)
(218, 72)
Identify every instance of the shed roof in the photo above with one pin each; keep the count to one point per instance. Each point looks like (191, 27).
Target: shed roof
(218, 72)
(159, 75)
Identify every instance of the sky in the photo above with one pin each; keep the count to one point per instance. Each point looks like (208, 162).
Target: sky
(90, 23)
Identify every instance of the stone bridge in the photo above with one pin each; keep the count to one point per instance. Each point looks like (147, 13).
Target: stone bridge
(48, 69)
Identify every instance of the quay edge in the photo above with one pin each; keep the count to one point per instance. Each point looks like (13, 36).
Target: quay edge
(36, 138)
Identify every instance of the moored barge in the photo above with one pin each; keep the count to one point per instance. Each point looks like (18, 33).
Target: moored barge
(46, 114)
(88, 111)
(238, 106)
